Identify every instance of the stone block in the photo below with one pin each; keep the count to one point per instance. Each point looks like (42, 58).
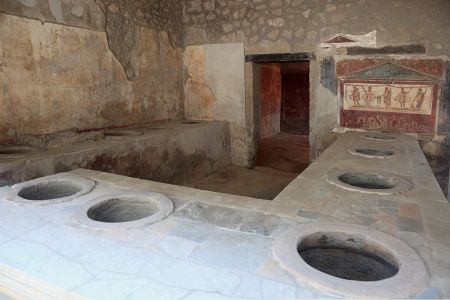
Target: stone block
(211, 214)
(233, 250)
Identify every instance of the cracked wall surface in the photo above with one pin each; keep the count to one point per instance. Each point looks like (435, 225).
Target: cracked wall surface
(124, 16)
(79, 13)
(119, 18)
(61, 75)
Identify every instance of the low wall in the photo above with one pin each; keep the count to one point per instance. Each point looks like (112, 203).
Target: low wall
(169, 153)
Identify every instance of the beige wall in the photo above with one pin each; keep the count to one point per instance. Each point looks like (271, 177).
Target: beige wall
(215, 90)
(56, 77)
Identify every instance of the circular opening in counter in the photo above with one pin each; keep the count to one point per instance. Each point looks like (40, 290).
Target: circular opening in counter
(375, 152)
(350, 260)
(367, 181)
(347, 256)
(380, 137)
(119, 210)
(124, 210)
(50, 190)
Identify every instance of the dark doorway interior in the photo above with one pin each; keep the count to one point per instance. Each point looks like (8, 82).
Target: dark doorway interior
(295, 98)
(284, 136)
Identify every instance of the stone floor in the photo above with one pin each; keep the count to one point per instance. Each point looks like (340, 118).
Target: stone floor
(280, 158)
(284, 151)
(219, 246)
(260, 182)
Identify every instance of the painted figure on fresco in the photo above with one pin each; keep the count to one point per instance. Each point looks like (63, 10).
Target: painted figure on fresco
(416, 104)
(387, 97)
(378, 101)
(368, 96)
(401, 97)
(355, 96)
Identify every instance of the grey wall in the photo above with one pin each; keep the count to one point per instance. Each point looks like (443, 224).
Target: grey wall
(283, 26)
(299, 25)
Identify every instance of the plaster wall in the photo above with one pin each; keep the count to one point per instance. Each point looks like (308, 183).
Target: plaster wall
(57, 77)
(120, 19)
(214, 86)
(78, 13)
(276, 26)
(270, 99)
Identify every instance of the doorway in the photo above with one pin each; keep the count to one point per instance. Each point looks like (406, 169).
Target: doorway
(284, 121)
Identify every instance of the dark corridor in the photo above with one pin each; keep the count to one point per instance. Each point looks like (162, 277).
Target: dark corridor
(284, 136)
(295, 98)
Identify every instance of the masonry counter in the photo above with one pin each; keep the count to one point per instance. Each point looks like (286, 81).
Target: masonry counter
(387, 211)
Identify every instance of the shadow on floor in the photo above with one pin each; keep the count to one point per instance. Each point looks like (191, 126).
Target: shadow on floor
(284, 151)
(281, 158)
(260, 182)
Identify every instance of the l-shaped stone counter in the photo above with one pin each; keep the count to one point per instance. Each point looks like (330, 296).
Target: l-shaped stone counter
(220, 246)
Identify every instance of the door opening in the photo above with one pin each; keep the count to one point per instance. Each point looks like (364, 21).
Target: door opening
(284, 120)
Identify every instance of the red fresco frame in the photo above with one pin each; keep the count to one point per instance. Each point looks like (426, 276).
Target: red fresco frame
(388, 121)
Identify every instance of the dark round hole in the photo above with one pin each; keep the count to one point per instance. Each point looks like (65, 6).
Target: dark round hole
(366, 181)
(50, 190)
(122, 210)
(191, 122)
(347, 256)
(377, 136)
(375, 152)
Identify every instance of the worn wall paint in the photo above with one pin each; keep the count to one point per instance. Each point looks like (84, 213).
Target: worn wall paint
(57, 77)
(270, 99)
(123, 17)
(119, 18)
(79, 13)
(277, 26)
(444, 117)
(215, 89)
(395, 94)
(199, 98)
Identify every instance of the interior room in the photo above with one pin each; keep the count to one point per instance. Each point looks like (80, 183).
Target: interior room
(224, 149)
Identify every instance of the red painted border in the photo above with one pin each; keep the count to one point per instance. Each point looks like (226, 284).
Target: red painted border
(391, 121)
